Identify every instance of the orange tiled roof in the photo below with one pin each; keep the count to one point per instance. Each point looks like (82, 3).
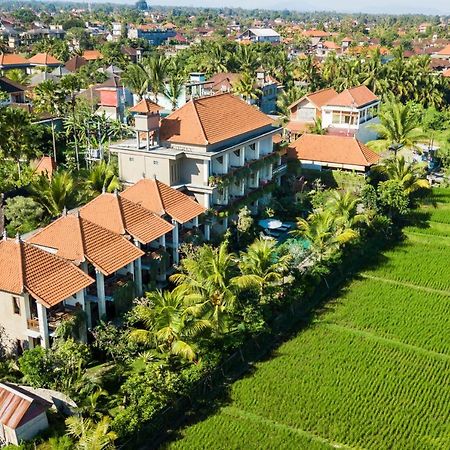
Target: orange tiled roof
(79, 240)
(122, 216)
(75, 63)
(445, 51)
(12, 59)
(163, 199)
(43, 59)
(92, 55)
(331, 45)
(46, 165)
(332, 149)
(209, 120)
(145, 106)
(47, 277)
(446, 73)
(315, 33)
(223, 81)
(353, 97)
(318, 98)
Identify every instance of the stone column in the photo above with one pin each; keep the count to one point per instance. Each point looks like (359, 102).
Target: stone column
(138, 271)
(175, 239)
(43, 325)
(101, 293)
(81, 300)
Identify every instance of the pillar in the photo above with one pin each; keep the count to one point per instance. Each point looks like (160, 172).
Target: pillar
(138, 271)
(81, 300)
(43, 325)
(101, 293)
(162, 241)
(175, 239)
(207, 231)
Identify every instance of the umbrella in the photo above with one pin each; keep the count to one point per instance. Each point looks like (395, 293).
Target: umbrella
(271, 224)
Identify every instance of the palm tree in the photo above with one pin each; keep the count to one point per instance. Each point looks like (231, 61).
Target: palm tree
(398, 127)
(409, 175)
(54, 194)
(286, 99)
(91, 435)
(101, 178)
(18, 75)
(246, 88)
(212, 274)
(136, 79)
(157, 68)
(48, 98)
(168, 323)
(262, 265)
(324, 234)
(174, 89)
(317, 127)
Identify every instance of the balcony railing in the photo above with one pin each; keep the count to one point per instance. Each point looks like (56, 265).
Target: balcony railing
(33, 324)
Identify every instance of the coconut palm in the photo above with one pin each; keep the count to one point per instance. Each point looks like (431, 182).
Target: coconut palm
(212, 274)
(136, 79)
(157, 68)
(101, 178)
(168, 323)
(262, 265)
(316, 127)
(246, 88)
(18, 76)
(54, 194)
(398, 127)
(174, 89)
(286, 99)
(91, 435)
(409, 175)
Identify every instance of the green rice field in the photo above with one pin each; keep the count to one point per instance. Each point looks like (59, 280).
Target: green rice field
(371, 372)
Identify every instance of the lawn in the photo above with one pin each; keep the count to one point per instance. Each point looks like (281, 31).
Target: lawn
(372, 371)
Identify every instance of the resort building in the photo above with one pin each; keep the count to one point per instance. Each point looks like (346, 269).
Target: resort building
(260, 35)
(217, 148)
(15, 92)
(38, 290)
(319, 152)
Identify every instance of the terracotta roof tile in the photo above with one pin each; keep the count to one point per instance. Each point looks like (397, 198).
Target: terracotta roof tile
(75, 63)
(318, 98)
(12, 59)
(446, 73)
(145, 106)
(163, 199)
(78, 240)
(44, 59)
(92, 55)
(445, 51)
(223, 81)
(332, 149)
(47, 277)
(353, 97)
(210, 120)
(122, 216)
(46, 165)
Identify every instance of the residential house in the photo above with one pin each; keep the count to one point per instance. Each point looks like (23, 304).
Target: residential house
(306, 111)
(92, 55)
(74, 63)
(260, 35)
(144, 228)
(10, 61)
(29, 37)
(176, 207)
(38, 290)
(324, 48)
(104, 255)
(351, 113)
(444, 53)
(114, 98)
(154, 34)
(15, 92)
(321, 152)
(199, 146)
(22, 414)
(43, 61)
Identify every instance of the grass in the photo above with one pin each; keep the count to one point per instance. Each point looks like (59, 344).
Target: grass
(372, 371)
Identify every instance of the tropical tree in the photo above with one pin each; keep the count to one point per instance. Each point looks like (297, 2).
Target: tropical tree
(398, 127)
(18, 76)
(174, 89)
(91, 435)
(101, 178)
(54, 194)
(262, 266)
(157, 69)
(136, 79)
(168, 323)
(246, 88)
(286, 99)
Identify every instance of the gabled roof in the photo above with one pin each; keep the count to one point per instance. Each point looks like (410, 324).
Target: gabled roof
(12, 59)
(121, 216)
(75, 63)
(9, 86)
(223, 81)
(44, 59)
(318, 98)
(47, 277)
(446, 73)
(145, 106)
(46, 165)
(331, 45)
(79, 240)
(210, 120)
(92, 55)
(354, 97)
(264, 32)
(163, 199)
(445, 51)
(332, 149)
(112, 82)
(18, 407)
(315, 33)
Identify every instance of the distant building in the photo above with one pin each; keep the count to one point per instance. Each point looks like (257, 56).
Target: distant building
(154, 34)
(260, 35)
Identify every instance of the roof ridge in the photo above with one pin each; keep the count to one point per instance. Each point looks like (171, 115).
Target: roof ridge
(160, 195)
(80, 227)
(199, 121)
(21, 264)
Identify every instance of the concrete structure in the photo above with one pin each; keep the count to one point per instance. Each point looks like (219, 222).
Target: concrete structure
(154, 34)
(208, 148)
(260, 35)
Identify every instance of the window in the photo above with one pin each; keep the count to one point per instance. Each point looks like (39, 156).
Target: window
(16, 305)
(336, 118)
